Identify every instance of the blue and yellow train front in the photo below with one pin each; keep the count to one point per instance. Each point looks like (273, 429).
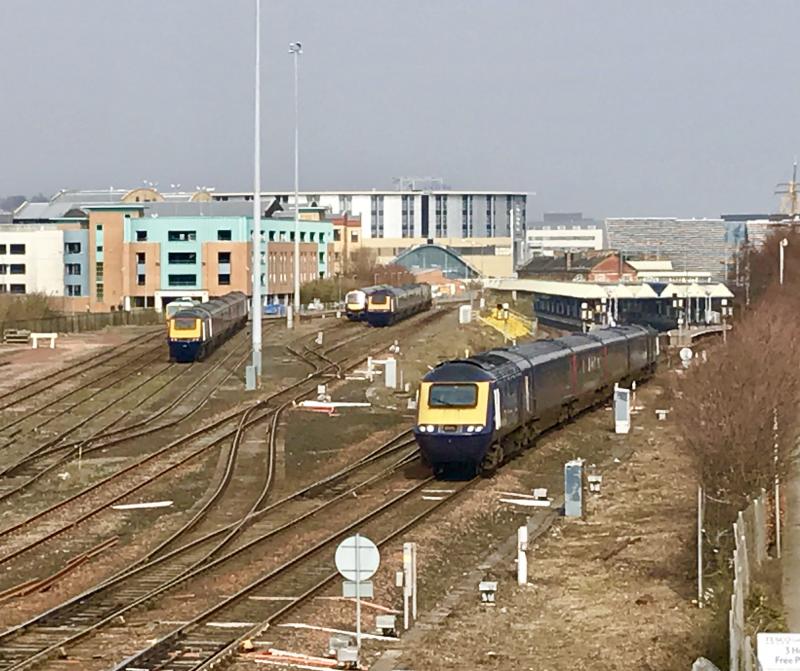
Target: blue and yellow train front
(454, 422)
(185, 339)
(380, 309)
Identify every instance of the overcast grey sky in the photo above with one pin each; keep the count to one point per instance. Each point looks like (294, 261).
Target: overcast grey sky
(687, 107)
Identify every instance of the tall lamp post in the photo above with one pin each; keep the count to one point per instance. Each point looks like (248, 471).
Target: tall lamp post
(295, 49)
(254, 373)
(783, 245)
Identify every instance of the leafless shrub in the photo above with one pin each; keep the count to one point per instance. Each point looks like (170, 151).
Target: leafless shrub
(28, 306)
(726, 408)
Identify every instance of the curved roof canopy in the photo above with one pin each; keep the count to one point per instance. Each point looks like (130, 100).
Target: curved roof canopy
(438, 257)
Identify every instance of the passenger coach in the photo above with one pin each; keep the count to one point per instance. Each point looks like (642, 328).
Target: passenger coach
(195, 332)
(389, 305)
(476, 412)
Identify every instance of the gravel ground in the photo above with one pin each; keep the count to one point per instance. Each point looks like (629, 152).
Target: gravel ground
(610, 591)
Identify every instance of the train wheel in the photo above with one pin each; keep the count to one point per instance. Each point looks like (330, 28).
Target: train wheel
(491, 462)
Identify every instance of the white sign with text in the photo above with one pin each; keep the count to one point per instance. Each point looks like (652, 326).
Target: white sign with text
(778, 652)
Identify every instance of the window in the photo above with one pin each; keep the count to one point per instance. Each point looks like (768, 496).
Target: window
(18, 249)
(140, 280)
(99, 228)
(182, 258)
(182, 280)
(99, 248)
(223, 257)
(3, 269)
(466, 216)
(141, 258)
(98, 271)
(407, 219)
(181, 236)
(3, 288)
(224, 279)
(376, 203)
(184, 323)
(73, 290)
(302, 236)
(337, 235)
(98, 290)
(345, 203)
(441, 216)
(72, 248)
(272, 236)
(490, 216)
(141, 236)
(17, 268)
(224, 234)
(16, 288)
(2, 249)
(73, 269)
(453, 396)
(353, 237)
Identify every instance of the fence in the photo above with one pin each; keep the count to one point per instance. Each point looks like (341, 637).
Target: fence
(751, 535)
(83, 321)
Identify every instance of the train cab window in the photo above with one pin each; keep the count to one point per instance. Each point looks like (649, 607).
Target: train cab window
(453, 396)
(184, 323)
(379, 299)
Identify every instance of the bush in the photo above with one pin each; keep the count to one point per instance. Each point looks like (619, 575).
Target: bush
(29, 306)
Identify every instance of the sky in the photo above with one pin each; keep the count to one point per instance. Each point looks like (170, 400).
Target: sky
(610, 107)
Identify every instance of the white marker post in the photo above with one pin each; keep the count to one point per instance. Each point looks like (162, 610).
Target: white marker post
(522, 557)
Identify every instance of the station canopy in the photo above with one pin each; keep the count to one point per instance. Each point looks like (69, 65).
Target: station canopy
(436, 257)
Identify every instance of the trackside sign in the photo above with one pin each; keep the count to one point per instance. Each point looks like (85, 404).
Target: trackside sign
(778, 652)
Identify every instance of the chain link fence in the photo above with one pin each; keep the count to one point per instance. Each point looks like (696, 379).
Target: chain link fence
(79, 321)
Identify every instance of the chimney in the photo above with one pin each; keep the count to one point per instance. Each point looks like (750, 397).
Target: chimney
(568, 257)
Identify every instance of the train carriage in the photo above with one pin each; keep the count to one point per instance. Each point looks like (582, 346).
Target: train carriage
(478, 411)
(355, 302)
(195, 332)
(389, 305)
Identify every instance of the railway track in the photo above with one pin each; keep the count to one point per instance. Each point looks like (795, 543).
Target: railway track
(162, 565)
(35, 640)
(199, 644)
(54, 453)
(68, 372)
(64, 515)
(60, 377)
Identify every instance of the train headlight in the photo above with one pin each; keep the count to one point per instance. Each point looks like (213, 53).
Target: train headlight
(470, 429)
(478, 428)
(431, 427)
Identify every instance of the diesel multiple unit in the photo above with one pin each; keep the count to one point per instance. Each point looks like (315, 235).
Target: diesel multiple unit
(388, 305)
(196, 331)
(475, 412)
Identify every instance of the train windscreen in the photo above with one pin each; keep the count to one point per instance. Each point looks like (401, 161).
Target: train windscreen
(184, 323)
(453, 396)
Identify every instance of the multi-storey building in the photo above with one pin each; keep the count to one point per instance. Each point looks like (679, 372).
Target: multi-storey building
(106, 256)
(691, 244)
(563, 231)
(401, 219)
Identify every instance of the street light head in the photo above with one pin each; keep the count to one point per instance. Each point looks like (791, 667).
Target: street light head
(295, 48)
(784, 242)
